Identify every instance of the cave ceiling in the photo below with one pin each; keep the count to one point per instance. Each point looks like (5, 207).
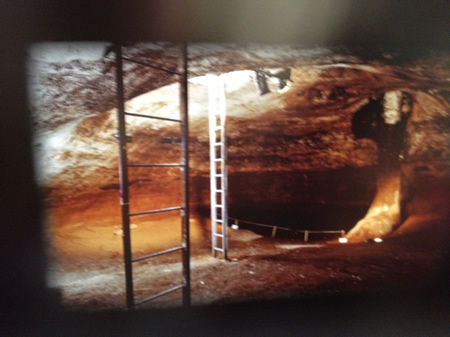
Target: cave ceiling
(81, 83)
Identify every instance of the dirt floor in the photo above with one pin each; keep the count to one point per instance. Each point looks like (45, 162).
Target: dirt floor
(87, 267)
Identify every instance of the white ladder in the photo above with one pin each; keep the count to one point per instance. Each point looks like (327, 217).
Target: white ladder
(218, 168)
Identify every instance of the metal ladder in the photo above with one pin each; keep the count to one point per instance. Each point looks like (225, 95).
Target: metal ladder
(218, 168)
(131, 302)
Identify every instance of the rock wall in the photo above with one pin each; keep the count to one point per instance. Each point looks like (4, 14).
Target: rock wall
(290, 151)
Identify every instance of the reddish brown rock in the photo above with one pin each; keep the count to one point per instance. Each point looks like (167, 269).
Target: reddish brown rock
(287, 149)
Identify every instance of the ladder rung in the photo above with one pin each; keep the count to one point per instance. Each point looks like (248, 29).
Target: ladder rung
(219, 221)
(156, 211)
(219, 235)
(219, 249)
(162, 293)
(146, 64)
(218, 160)
(154, 117)
(218, 144)
(220, 206)
(218, 128)
(156, 165)
(144, 257)
(128, 139)
(170, 140)
(218, 175)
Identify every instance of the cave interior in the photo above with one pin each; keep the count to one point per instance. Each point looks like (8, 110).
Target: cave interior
(337, 166)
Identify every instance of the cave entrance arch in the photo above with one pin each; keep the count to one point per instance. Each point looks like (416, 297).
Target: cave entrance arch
(184, 247)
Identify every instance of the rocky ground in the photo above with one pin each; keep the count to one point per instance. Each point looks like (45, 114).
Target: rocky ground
(90, 277)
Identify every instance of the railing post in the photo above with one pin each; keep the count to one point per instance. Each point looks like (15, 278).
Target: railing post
(274, 231)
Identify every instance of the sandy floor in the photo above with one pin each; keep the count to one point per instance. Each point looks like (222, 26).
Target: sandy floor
(87, 267)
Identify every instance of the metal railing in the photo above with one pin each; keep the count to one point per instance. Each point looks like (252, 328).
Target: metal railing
(306, 232)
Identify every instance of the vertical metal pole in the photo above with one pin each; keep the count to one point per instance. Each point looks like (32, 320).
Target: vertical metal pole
(185, 177)
(123, 174)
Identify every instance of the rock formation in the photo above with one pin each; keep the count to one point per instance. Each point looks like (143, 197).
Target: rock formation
(327, 139)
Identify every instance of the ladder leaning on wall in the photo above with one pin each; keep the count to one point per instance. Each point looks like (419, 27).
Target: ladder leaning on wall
(218, 165)
(184, 247)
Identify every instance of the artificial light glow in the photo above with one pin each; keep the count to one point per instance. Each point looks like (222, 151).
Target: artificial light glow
(343, 240)
(234, 226)
(378, 240)
(392, 107)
